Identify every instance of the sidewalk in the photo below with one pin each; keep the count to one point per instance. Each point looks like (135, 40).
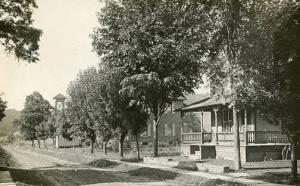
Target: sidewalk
(201, 174)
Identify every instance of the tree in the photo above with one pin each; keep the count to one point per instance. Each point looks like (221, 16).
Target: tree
(42, 132)
(2, 108)
(82, 105)
(159, 46)
(137, 118)
(15, 126)
(16, 32)
(254, 54)
(35, 113)
(52, 127)
(278, 96)
(238, 47)
(117, 104)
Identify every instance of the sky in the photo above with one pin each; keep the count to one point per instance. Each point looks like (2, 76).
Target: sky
(65, 49)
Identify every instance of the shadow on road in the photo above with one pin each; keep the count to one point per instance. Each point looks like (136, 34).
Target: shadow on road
(72, 177)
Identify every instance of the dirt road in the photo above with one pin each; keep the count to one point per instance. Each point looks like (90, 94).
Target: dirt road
(31, 160)
(35, 168)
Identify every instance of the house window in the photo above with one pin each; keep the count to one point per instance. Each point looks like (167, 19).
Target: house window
(227, 116)
(173, 107)
(185, 128)
(168, 130)
(149, 129)
(173, 129)
(250, 116)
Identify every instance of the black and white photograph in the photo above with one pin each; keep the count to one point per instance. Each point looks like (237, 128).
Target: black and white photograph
(149, 92)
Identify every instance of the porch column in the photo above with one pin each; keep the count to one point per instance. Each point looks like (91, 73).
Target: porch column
(245, 121)
(181, 128)
(201, 127)
(236, 142)
(216, 124)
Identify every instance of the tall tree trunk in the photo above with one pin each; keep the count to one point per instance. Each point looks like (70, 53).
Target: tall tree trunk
(32, 143)
(155, 138)
(39, 143)
(137, 147)
(105, 148)
(53, 142)
(236, 135)
(294, 160)
(121, 148)
(92, 146)
(44, 140)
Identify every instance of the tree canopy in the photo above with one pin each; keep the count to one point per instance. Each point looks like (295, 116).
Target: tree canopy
(83, 105)
(159, 46)
(34, 116)
(17, 35)
(254, 59)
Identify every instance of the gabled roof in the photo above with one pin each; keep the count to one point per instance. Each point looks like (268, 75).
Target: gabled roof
(194, 98)
(205, 104)
(60, 96)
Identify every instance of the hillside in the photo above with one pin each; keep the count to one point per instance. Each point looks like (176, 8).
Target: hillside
(6, 123)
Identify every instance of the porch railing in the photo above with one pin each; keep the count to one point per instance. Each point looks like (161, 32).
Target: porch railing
(196, 137)
(228, 136)
(252, 137)
(191, 137)
(266, 137)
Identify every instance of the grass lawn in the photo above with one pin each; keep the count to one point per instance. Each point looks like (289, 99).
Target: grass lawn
(152, 173)
(31, 177)
(275, 177)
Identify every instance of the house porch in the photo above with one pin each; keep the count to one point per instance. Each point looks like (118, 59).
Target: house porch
(213, 138)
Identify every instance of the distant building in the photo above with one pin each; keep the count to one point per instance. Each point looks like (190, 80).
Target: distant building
(60, 141)
(169, 126)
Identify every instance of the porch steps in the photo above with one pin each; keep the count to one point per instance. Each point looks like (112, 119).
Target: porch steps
(206, 167)
(194, 157)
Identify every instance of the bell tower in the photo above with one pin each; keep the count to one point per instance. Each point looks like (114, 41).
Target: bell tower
(59, 103)
(59, 108)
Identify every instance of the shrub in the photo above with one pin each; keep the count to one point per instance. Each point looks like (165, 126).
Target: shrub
(103, 163)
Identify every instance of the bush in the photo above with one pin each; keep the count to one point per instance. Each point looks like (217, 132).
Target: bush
(152, 173)
(102, 163)
(6, 159)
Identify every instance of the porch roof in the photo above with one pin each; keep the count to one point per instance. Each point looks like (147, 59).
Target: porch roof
(205, 104)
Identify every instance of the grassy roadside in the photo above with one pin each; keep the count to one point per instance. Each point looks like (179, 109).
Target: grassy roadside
(6, 159)
(21, 176)
(101, 161)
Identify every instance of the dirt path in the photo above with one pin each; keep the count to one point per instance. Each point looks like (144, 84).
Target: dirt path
(34, 168)
(32, 160)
